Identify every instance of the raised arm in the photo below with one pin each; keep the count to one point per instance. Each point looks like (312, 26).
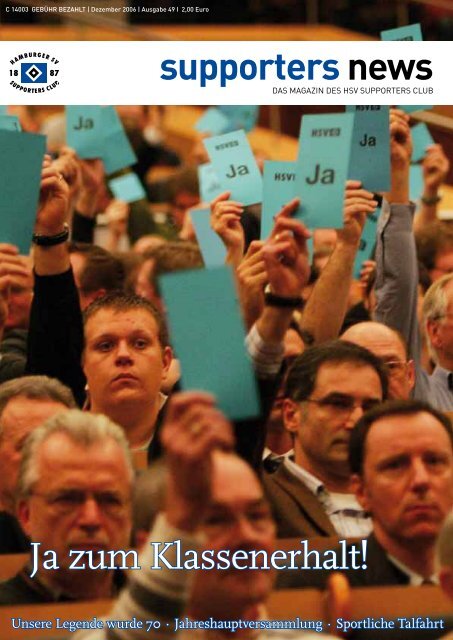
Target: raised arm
(55, 339)
(193, 431)
(396, 258)
(226, 222)
(435, 169)
(326, 308)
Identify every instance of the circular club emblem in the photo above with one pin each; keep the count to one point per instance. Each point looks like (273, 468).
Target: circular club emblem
(34, 72)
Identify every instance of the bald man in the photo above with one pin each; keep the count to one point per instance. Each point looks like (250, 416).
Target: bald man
(389, 345)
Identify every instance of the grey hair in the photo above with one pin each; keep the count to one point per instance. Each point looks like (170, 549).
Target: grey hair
(445, 543)
(35, 388)
(435, 306)
(84, 429)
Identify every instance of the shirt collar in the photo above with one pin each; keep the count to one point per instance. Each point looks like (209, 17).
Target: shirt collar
(310, 481)
(442, 375)
(415, 579)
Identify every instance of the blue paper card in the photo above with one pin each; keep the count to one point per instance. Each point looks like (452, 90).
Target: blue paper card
(117, 151)
(370, 148)
(213, 121)
(21, 156)
(421, 140)
(409, 32)
(127, 188)
(84, 131)
(241, 116)
(367, 242)
(279, 187)
(210, 186)
(410, 108)
(212, 248)
(235, 166)
(10, 123)
(415, 182)
(3, 110)
(207, 334)
(322, 169)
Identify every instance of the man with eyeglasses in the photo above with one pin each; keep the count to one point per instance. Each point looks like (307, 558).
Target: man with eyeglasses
(328, 389)
(74, 493)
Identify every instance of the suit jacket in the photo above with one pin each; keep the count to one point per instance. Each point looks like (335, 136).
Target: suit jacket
(379, 572)
(296, 510)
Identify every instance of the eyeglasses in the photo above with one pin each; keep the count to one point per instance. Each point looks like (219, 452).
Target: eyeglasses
(395, 366)
(343, 404)
(70, 500)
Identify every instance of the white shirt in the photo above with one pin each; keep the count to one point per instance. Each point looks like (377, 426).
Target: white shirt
(343, 510)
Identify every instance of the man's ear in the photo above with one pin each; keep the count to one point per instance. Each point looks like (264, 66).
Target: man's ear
(358, 487)
(432, 329)
(446, 580)
(167, 357)
(23, 515)
(411, 373)
(291, 414)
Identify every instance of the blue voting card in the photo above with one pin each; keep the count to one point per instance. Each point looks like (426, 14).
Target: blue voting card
(127, 188)
(84, 130)
(21, 156)
(415, 182)
(212, 248)
(213, 121)
(421, 140)
(370, 148)
(235, 166)
(207, 334)
(10, 123)
(241, 116)
(117, 151)
(409, 32)
(210, 186)
(322, 169)
(367, 241)
(3, 110)
(410, 108)
(279, 187)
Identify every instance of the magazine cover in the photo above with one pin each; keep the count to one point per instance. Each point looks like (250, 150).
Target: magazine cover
(226, 351)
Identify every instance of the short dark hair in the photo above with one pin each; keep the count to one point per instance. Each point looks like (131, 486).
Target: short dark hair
(432, 239)
(121, 301)
(302, 375)
(357, 441)
(174, 256)
(101, 270)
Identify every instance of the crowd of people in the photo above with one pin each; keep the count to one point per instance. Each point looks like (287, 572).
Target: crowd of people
(355, 380)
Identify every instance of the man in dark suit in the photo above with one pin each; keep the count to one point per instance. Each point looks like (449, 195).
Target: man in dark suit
(401, 458)
(327, 390)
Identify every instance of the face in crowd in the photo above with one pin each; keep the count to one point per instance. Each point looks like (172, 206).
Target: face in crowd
(321, 424)
(19, 418)
(80, 499)
(124, 360)
(387, 345)
(407, 479)
(238, 518)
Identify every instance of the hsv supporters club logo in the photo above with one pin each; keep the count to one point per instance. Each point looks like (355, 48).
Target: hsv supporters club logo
(34, 72)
